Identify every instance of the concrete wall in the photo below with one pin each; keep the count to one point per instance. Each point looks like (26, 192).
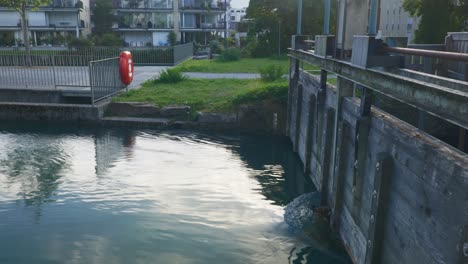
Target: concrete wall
(49, 112)
(425, 218)
(352, 20)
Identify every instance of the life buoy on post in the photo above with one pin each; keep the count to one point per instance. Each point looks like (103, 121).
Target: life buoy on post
(126, 67)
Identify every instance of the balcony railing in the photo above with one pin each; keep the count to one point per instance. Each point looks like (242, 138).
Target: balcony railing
(203, 26)
(145, 4)
(202, 5)
(147, 26)
(66, 4)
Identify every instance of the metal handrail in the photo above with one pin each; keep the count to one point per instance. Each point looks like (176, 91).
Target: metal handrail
(461, 57)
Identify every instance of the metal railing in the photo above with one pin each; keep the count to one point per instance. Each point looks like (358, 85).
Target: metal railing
(183, 53)
(143, 56)
(43, 72)
(104, 79)
(97, 79)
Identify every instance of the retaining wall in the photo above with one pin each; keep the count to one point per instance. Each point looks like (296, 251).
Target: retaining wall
(409, 199)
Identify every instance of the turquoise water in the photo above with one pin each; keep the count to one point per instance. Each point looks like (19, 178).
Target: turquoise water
(87, 195)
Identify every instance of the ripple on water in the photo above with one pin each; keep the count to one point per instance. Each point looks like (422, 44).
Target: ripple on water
(122, 196)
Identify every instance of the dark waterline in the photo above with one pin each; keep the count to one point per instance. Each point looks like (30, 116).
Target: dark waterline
(93, 195)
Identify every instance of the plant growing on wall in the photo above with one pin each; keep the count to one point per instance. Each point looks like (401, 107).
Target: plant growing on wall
(23, 7)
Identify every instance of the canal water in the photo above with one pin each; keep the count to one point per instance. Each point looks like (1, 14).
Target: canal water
(89, 195)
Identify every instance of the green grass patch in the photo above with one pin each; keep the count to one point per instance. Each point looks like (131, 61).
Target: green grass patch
(219, 95)
(245, 65)
(331, 81)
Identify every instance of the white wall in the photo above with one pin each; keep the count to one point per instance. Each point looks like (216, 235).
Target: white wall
(64, 19)
(37, 19)
(9, 18)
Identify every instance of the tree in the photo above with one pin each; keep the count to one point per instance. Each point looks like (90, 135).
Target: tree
(23, 7)
(108, 40)
(103, 16)
(437, 18)
(274, 22)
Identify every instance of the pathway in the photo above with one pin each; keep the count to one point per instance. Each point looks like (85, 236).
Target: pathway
(144, 73)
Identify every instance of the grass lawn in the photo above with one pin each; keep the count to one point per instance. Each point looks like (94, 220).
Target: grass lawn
(217, 95)
(246, 65)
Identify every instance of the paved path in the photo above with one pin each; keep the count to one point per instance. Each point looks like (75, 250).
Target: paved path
(205, 75)
(144, 73)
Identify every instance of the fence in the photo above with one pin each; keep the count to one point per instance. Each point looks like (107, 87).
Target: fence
(47, 72)
(143, 56)
(98, 79)
(455, 42)
(104, 79)
(183, 52)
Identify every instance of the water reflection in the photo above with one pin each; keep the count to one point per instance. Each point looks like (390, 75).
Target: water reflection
(36, 164)
(123, 196)
(277, 168)
(111, 146)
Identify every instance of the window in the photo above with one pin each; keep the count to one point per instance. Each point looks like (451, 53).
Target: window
(233, 18)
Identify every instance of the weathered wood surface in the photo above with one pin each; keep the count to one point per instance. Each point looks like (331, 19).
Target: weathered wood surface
(450, 104)
(427, 205)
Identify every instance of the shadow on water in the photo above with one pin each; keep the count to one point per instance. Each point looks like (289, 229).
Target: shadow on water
(280, 172)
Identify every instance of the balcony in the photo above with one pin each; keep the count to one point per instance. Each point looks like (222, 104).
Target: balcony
(59, 4)
(144, 21)
(145, 4)
(202, 5)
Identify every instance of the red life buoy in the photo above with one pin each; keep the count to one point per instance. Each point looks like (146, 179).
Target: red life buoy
(126, 67)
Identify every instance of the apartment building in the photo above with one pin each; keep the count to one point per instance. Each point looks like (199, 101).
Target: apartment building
(352, 19)
(60, 17)
(236, 15)
(148, 22)
(396, 22)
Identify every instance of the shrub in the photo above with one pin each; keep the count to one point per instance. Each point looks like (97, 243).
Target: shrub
(172, 38)
(277, 92)
(231, 54)
(80, 42)
(108, 40)
(271, 73)
(171, 76)
(215, 47)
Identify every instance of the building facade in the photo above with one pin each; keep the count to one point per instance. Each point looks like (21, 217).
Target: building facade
(58, 20)
(235, 16)
(396, 22)
(352, 19)
(149, 22)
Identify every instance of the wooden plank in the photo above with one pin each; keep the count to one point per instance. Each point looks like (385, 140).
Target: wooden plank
(375, 236)
(338, 178)
(449, 104)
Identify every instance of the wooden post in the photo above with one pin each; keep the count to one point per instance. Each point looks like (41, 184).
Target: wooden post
(344, 88)
(383, 172)
(361, 138)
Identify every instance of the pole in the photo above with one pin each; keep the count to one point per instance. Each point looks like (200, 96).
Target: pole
(326, 23)
(373, 16)
(225, 24)
(279, 38)
(299, 17)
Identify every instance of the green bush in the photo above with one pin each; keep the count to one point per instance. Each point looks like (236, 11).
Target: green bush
(271, 73)
(231, 54)
(80, 42)
(215, 47)
(277, 92)
(172, 38)
(108, 40)
(171, 76)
